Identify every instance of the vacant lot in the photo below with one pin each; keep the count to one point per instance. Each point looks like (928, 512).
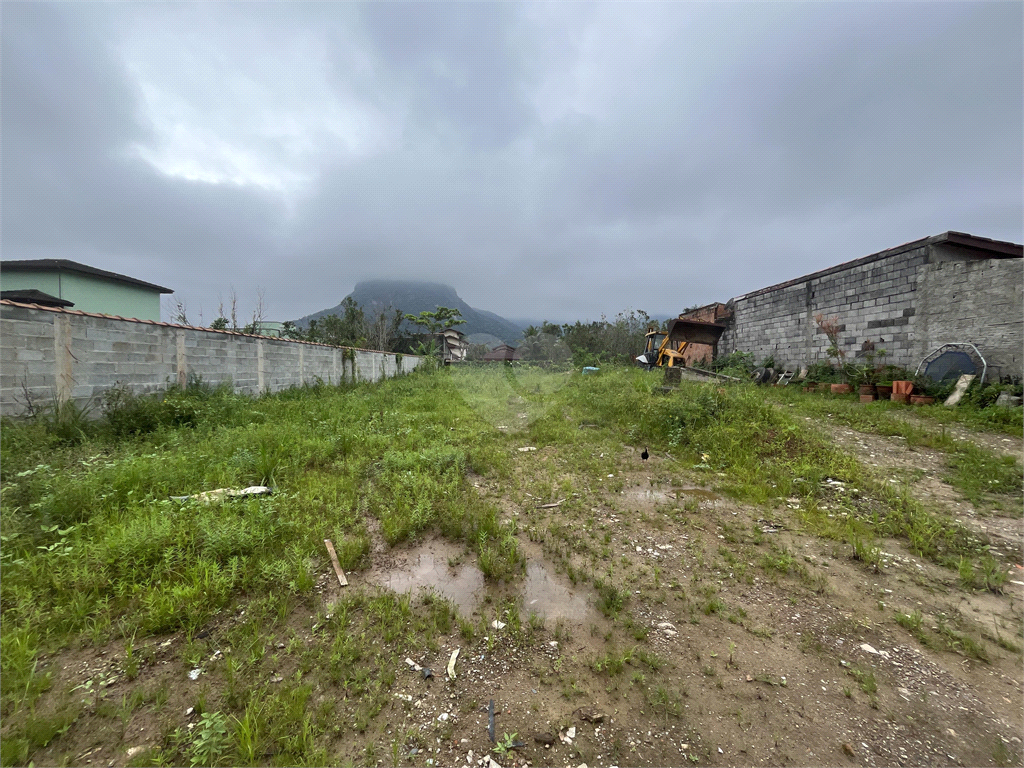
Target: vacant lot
(787, 579)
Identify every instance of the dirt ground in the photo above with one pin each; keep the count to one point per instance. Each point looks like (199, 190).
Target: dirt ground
(714, 659)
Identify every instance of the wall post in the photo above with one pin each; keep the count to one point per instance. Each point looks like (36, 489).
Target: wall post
(181, 360)
(261, 367)
(63, 375)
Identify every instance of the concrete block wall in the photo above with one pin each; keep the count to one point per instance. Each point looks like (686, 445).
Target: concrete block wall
(47, 353)
(907, 301)
(981, 302)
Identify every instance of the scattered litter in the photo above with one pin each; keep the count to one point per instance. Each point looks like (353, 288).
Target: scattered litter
(451, 663)
(590, 369)
(527, 448)
(551, 505)
(404, 696)
(219, 494)
(498, 624)
(868, 649)
(189, 711)
(427, 673)
(412, 664)
(443, 717)
(720, 751)
(133, 752)
(277, 679)
(194, 674)
(334, 561)
(589, 715)
(490, 720)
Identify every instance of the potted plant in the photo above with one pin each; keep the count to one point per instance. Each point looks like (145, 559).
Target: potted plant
(868, 371)
(831, 327)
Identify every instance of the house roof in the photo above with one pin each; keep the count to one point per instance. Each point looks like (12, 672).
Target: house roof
(982, 246)
(501, 352)
(65, 265)
(33, 296)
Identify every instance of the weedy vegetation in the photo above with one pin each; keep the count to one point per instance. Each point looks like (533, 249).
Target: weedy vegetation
(96, 551)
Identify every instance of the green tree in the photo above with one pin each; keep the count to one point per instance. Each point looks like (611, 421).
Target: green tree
(346, 330)
(436, 321)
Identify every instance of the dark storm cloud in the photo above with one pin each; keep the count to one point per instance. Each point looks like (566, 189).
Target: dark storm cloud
(553, 160)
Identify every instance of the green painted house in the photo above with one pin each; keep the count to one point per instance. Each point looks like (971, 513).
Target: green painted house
(87, 288)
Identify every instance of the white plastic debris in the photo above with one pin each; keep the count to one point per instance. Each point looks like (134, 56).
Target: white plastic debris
(194, 674)
(869, 649)
(412, 664)
(219, 494)
(527, 448)
(451, 663)
(498, 624)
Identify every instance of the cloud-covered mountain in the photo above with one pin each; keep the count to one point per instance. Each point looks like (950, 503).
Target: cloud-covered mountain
(413, 297)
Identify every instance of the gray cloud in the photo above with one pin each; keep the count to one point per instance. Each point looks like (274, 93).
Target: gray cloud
(547, 160)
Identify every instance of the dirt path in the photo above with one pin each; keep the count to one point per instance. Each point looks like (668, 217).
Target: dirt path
(996, 443)
(923, 470)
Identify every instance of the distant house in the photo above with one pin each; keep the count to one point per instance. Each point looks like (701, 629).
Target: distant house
(454, 345)
(502, 353)
(86, 288)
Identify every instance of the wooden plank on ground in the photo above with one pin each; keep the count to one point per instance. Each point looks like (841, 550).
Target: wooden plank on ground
(334, 560)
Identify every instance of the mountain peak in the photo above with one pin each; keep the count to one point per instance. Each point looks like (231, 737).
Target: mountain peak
(415, 296)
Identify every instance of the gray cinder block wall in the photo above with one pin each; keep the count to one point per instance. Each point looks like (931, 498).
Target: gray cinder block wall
(47, 353)
(908, 300)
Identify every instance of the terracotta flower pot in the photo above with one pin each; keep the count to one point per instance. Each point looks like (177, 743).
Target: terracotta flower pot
(842, 389)
(921, 399)
(867, 389)
(884, 391)
(899, 397)
(902, 387)
(809, 388)
(867, 398)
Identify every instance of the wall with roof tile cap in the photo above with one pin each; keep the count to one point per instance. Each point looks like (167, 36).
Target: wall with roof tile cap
(47, 352)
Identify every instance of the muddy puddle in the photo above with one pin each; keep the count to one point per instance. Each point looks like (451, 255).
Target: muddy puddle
(448, 570)
(655, 496)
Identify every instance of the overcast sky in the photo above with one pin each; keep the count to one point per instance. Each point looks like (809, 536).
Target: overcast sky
(548, 160)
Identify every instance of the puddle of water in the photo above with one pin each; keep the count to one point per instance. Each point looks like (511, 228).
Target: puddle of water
(427, 568)
(700, 493)
(654, 495)
(543, 591)
(545, 595)
(646, 494)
